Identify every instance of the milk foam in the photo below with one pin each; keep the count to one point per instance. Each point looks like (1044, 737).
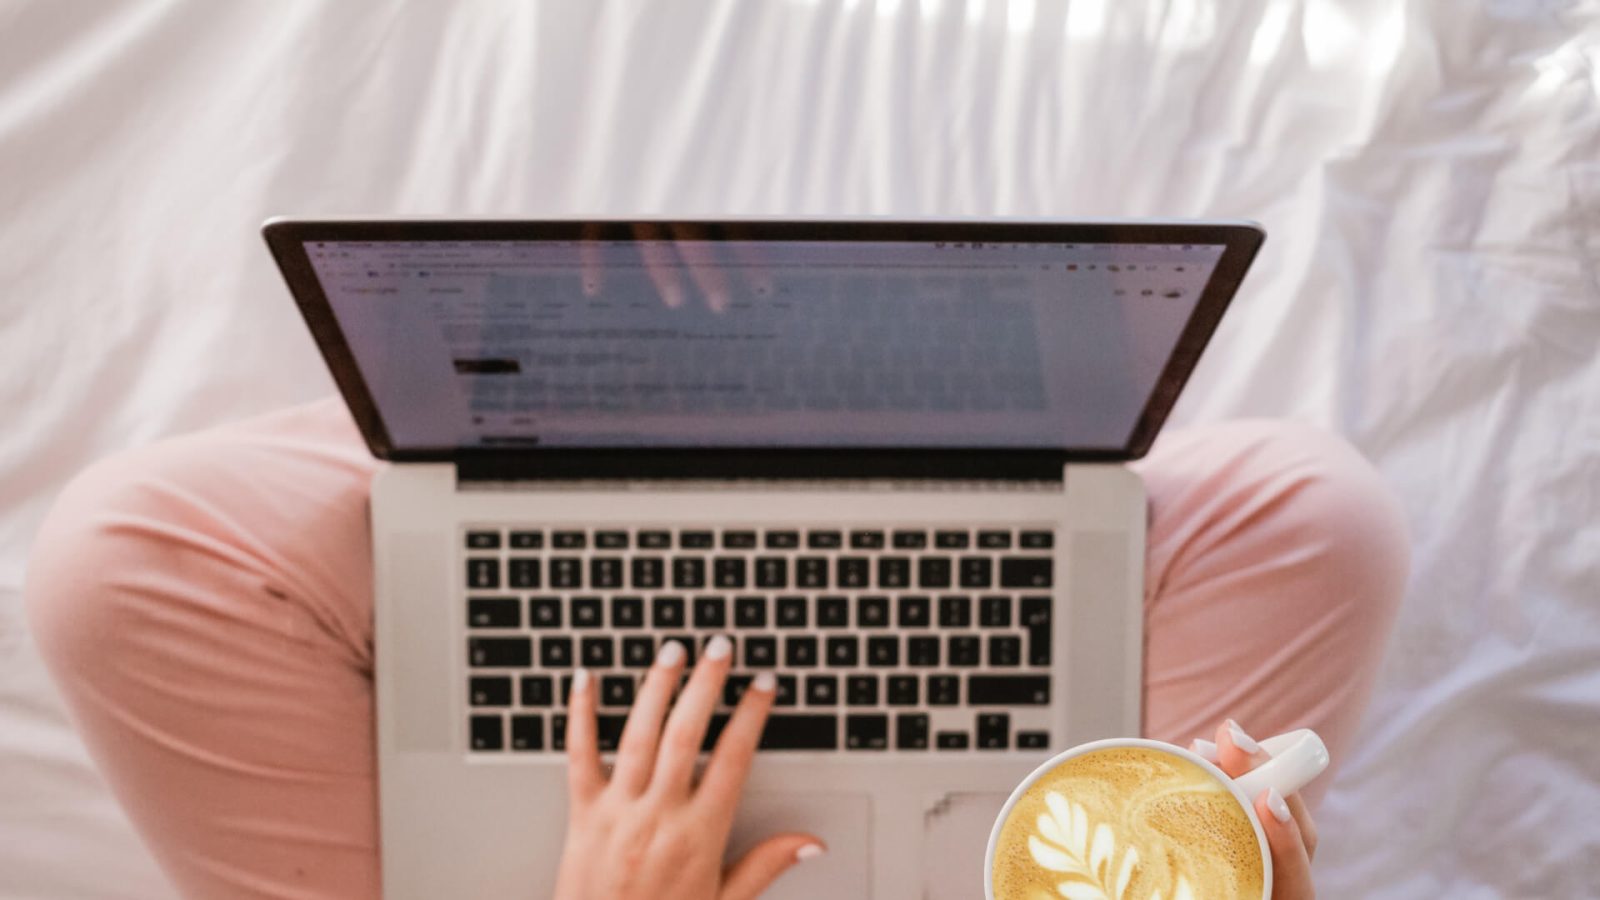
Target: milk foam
(1127, 823)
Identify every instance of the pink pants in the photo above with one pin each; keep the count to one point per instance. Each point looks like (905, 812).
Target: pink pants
(205, 604)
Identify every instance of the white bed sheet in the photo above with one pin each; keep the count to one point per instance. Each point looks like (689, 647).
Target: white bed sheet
(1428, 173)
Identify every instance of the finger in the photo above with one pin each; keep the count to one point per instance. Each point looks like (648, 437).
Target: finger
(636, 752)
(661, 264)
(725, 774)
(591, 270)
(584, 779)
(1291, 864)
(1237, 751)
(762, 864)
(704, 270)
(1308, 828)
(686, 726)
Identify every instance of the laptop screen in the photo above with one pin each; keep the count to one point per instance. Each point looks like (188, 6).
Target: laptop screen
(662, 341)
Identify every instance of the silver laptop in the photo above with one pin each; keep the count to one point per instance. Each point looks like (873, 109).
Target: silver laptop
(884, 457)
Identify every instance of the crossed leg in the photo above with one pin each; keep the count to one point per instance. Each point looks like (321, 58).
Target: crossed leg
(205, 603)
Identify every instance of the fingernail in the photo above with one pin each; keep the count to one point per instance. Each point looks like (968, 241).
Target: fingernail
(580, 680)
(1241, 740)
(809, 851)
(1275, 802)
(1204, 749)
(718, 648)
(671, 654)
(766, 681)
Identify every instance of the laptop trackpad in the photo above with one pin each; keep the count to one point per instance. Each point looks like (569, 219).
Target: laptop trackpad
(842, 820)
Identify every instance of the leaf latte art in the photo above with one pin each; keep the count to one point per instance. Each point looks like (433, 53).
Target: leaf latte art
(1127, 823)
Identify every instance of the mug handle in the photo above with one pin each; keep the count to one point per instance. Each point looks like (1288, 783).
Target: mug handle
(1297, 758)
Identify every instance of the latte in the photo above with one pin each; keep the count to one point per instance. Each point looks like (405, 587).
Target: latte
(1127, 823)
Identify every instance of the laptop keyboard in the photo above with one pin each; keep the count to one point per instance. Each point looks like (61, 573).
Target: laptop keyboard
(882, 639)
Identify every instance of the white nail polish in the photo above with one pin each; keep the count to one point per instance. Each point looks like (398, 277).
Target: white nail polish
(809, 851)
(766, 681)
(580, 680)
(1276, 803)
(1204, 749)
(671, 654)
(719, 648)
(1241, 740)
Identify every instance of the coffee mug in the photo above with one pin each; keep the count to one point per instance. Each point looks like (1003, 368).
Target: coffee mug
(1073, 849)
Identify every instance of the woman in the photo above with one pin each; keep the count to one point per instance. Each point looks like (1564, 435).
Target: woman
(205, 605)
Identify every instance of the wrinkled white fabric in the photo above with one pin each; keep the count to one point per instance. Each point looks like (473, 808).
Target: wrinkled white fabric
(1429, 174)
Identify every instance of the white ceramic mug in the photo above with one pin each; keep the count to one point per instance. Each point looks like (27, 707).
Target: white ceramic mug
(1297, 758)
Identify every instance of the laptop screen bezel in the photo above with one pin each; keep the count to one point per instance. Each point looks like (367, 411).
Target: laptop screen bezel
(287, 238)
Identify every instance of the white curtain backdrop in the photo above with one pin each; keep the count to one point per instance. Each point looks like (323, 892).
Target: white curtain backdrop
(1428, 171)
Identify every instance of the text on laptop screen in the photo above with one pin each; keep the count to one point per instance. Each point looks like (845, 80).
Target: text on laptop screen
(685, 343)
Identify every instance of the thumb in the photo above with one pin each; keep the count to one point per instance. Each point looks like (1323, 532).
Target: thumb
(762, 864)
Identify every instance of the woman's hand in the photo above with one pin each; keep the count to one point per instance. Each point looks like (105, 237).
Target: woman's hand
(650, 830)
(1290, 832)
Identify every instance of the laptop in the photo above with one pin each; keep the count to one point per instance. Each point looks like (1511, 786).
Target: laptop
(886, 458)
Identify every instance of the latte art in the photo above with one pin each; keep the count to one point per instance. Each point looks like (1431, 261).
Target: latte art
(1127, 823)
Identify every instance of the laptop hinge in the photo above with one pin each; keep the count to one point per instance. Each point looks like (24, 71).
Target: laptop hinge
(910, 465)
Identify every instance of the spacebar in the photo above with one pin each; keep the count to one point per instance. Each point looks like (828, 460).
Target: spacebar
(790, 732)
(1008, 690)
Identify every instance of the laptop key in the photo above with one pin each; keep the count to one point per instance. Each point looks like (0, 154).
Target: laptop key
(649, 572)
(655, 540)
(494, 612)
(710, 612)
(687, 642)
(483, 573)
(750, 612)
(894, 572)
(568, 540)
(951, 540)
(1026, 572)
(734, 688)
(933, 572)
(1034, 613)
(611, 540)
(976, 572)
(952, 740)
(1008, 690)
(994, 731)
(608, 731)
(883, 652)
(1033, 740)
(566, 572)
(833, 612)
(994, 540)
(861, 690)
(910, 540)
(728, 572)
(627, 612)
(872, 612)
(1037, 540)
(844, 652)
(867, 732)
(903, 690)
(922, 650)
(714, 728)
(523, 572)
(544, 612)
(638, 652)
(761, 652)
(490, 691)
(688, 572)
(488, 733)
(605, 572)
(616, 690)
(586, 612)
(667, 612)
(772, 572)
(783, 540)
(800, 732)
(944, 690)
(822, 690)
(527, 540)
(811, 572)
(1005, 650)
(955, 612)
(538, 690)
(483, 540)
(964, 650)
(787, 692)
(852, 571)
(558, 731)
(696, 540)
(824, 539)
(500, 652)
(791, 612)
(598, 652)
(800, 652)
(913, 612)
(911, 731)
(994, 612)
(527, 733)
(739, 540)
(866, 539)
(555, 652)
